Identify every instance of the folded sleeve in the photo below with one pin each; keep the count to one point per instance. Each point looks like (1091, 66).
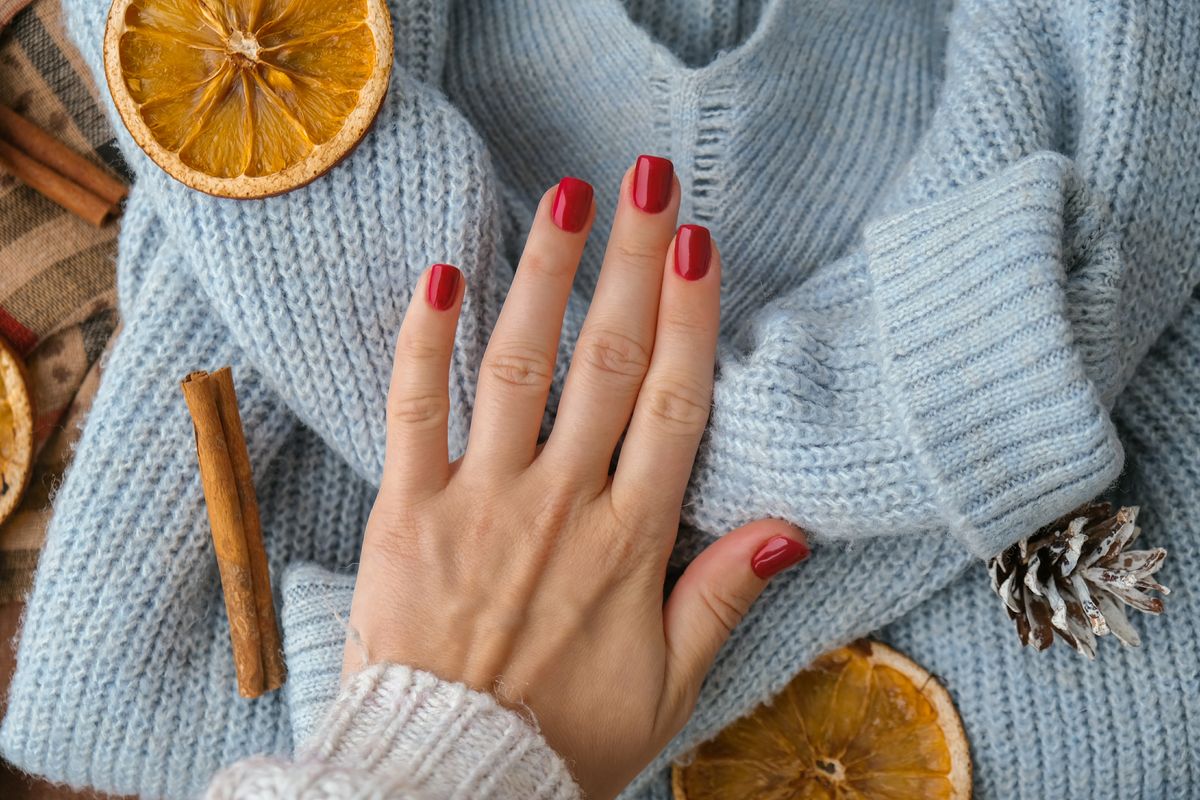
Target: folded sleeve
(930, 381)
(954, 370)
(314, 616)
(313, 284)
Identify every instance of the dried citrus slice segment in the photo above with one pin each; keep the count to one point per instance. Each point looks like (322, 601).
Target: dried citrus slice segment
(16, 431)
(247, 98)
(860, 723)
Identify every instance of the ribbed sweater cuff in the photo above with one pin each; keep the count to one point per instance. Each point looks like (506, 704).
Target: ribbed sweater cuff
(396, 723)
(995, 410)
(449, 740)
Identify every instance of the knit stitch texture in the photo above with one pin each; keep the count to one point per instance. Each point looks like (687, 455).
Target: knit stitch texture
(401, 733)
(952, 236)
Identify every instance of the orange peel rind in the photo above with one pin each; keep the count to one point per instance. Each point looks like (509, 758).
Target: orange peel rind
(247, 98)
(860, 723)
(16, 431)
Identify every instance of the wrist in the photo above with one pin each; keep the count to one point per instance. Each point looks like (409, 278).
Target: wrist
(452, 740)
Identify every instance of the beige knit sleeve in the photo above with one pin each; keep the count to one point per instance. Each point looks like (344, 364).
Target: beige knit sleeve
(397, 732)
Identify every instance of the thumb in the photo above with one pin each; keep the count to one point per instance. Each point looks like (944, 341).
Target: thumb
(715, 592)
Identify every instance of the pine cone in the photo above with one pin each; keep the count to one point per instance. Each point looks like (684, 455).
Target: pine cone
(1073, 576)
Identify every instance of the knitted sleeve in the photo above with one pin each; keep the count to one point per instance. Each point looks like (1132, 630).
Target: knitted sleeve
(397, 732)
(312, 284)
(955, 371)
(930, 381)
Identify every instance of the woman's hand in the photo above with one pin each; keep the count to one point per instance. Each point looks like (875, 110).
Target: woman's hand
(531, 572)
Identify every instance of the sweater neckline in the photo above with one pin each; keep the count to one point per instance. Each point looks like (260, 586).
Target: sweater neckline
(629, 34)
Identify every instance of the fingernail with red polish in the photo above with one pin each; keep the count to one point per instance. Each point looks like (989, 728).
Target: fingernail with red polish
(652, 183)
(443, 286)
(693, 251)
(572, 202)
(777, 555)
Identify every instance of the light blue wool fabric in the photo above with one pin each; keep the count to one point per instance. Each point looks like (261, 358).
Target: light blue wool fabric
(960, 247)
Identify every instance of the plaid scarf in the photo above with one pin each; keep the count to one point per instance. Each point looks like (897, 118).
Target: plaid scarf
(57, 273)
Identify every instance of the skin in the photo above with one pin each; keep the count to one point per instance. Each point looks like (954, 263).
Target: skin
(529, 571)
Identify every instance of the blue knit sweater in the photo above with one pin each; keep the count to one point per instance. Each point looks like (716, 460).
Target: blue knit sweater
(953, 237)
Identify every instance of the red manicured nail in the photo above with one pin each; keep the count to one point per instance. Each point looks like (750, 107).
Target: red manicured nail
(777, 555)
(693, 251)
(572, 202)
(652, 183)
(443, 286)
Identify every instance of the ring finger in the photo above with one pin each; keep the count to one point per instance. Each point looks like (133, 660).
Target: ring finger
(613, 351)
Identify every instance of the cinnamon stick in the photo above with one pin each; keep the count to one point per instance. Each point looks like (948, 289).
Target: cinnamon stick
(43, 146)
(237, 531)
(55, 186)
(272, 649)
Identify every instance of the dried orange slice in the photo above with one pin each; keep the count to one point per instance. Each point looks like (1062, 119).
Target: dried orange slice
(860, 723)
(247, 98)
(16, 431)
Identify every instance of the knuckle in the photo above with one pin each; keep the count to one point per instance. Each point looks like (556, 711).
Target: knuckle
(538, 263)
(686, 323)
(638, 253)
(419, 410)
(390, 549)
(625, 519)
(623, 553)
(553, 510)
(520, 367)
(417, 350)
(726, 606)
(611, 353)
(678, 406)
(390, 532)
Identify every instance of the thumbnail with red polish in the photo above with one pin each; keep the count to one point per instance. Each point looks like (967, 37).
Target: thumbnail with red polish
(572, 202)
(443, 286)
(777, 555)
(652, 183)
(693, 251)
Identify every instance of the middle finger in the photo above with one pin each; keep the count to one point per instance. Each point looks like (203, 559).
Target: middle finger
(613, 351)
